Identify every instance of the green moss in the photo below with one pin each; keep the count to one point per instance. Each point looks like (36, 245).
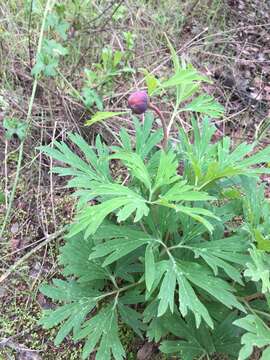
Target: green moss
(127, 337)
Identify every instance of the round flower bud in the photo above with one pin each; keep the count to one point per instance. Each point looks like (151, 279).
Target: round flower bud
(138, 102)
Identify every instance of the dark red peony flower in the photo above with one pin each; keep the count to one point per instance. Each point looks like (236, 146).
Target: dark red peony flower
(138, 102)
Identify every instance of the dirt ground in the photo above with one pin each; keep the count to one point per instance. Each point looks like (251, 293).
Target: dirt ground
(229, 41)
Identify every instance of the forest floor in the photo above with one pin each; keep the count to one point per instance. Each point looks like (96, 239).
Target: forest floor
(229, 41)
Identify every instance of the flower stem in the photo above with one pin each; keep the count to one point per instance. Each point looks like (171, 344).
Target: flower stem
(164, 125)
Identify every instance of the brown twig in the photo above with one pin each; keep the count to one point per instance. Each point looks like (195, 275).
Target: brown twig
(27, 255)
(5, 342)
(118, 4)
(252, 297)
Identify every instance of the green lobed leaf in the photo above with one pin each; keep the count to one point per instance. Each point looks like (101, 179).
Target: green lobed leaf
(150, 270)
(184, 76)
(136, 165)
(167, 170)
(74, 255)
(189, 344)
(103, 115)
(259, 268)
(146, 139)
(132, 318)
(257, 334)
(115, 197)
(193, 342)
(152, 83)
(262, 242)
(219, 253)
(188, 300)
(205, 104)
(102, 329)
(166, 292)
(70, 316)
(13, 127)
(183, 192)
(117, 248)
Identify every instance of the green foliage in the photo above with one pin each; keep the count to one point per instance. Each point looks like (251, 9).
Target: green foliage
(55, 22)
(258, 269)
(13, 127)
(172, 251)
(113, 63)
(196, 343)
(102, 115)
(129, 38)
(91, 97)
(2, 197)
(258, 334)
(186, 83)
(48, 59)
(103, 329)
(207, 163)
(152, 83)
(205, 104)
(99, 80)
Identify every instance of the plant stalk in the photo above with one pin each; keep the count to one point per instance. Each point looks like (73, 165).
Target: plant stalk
(164, 125)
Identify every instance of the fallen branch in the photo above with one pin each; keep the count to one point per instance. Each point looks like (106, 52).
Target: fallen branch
(15, 346)
(26, 256)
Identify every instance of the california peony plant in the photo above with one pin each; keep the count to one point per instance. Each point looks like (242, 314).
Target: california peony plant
(177, 251)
